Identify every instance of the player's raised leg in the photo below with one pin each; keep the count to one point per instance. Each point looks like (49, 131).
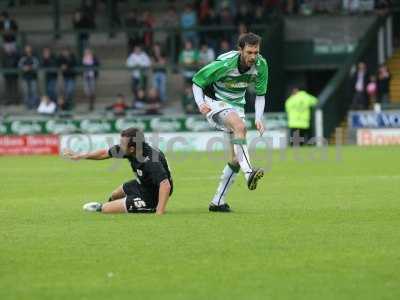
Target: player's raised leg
(237, 125)
(118, 193)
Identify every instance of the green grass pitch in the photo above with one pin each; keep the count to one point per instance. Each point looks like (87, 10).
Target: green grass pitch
(322, 228)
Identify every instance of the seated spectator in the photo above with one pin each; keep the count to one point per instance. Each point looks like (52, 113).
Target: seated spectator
(8, 29)
(153, 102)
(90, 73)
(224, 47)
(138, 59)
(383, 84)
(188, 103)
(189, 60)
(206, 55)
(46, 106)
(62, 106)
(140, 101)
(119, 107)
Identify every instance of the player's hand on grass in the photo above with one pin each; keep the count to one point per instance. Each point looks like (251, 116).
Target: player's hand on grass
(204, 108)
(71, 155)
(260, 127)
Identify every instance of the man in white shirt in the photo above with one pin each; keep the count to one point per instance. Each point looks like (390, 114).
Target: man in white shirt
(138, 59)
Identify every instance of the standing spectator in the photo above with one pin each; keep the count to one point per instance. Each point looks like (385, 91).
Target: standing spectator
(189, 61)
(159, 71)
(83, 21)
(133, 25)
(360, 81)
(148, 23)
(243, 15)
(383, 84)
(8, 29)
(46, 106)
(10, 61)
(188, 21)
(206, 55)
(29, 65)
(226, 19)
(210, 37)
(188, 103)
(170, 21)
(50, 62)
(153, 102)
(138, 59)
(372, 89)
(90, 73)
(298, 108)
(67, 63)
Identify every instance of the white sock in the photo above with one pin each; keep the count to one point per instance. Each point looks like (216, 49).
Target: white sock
(228, 177)
(242, 155)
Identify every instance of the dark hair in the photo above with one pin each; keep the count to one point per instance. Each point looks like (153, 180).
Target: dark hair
(136, 136)
(249, 39)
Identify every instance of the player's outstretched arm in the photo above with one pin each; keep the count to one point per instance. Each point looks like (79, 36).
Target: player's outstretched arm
(94, 155)
(163, 196)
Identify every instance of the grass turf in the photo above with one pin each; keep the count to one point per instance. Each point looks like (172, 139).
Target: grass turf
(316, 228)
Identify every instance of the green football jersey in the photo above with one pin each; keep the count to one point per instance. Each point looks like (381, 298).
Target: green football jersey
(226, 83)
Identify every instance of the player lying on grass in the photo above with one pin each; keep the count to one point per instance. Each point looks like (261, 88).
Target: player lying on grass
(150, 191)
(219, 89)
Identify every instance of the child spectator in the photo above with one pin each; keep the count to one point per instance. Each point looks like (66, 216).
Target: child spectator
(46, 106)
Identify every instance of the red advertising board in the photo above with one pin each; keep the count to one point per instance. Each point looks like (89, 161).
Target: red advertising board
(29, 144)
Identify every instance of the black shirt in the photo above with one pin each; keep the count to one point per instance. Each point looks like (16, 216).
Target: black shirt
(150, 169)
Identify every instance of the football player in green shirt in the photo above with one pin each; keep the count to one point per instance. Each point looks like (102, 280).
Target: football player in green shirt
(219, 90)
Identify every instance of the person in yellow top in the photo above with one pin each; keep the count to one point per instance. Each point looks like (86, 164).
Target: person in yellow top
(298, 108)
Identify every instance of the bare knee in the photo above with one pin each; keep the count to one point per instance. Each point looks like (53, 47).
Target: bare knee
(239, 129)
(118, 193)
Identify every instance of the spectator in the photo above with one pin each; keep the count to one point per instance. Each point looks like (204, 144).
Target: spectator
(8, 29)
(140, 101)
(226, 19)
(138, 59)
(159, 71)
(259, 16)
(383, 84)
(188, 21)
(243, 15)
(153, 102)
(171, 21)
(298, 108)
(67, 62)
(188, 60)
(29, 65)
(242, 29)
(372, 89)
(360, 81)
(83, 21)
(50, 62)
(206, 55)
(119, 107)
(188, 104)
(10, 61)
(90, 73)
(210, 37)
(46, 106)
(61, 104)
(224, 47)
(148, 23)
(133, 25)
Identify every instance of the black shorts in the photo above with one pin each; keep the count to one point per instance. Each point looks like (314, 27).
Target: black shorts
(137, 199)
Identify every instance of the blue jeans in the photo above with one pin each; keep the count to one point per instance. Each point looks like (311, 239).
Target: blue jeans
(31, 98)
(51, 89)
(160, 83)
(69, 92)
